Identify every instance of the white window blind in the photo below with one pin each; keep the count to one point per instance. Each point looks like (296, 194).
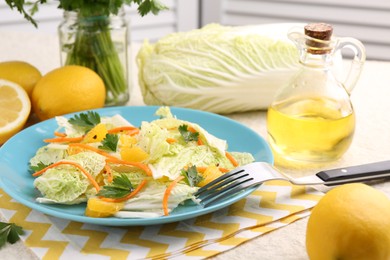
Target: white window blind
(368, 21)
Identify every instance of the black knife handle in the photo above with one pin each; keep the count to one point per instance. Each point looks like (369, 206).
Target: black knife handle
(359, 173)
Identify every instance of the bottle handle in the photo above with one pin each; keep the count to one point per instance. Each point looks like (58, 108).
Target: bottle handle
(357, 62)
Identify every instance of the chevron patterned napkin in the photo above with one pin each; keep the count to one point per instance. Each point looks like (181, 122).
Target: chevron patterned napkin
(273, 205)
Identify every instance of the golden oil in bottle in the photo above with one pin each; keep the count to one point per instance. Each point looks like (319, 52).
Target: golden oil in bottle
(310, 130)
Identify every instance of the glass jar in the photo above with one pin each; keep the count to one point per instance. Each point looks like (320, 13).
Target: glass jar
(312, 120)
(100, 43)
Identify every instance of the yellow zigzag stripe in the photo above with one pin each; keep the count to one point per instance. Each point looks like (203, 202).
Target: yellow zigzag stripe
(191, 236)
(297, 192)
(237, 209)
(194, 240)
(233, 240)
(133, 235)
(96, 238)
(38, 230)
(290, 219)
(268, 200)
(197, 249)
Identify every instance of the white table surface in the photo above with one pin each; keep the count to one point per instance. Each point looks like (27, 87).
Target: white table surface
(371, 141)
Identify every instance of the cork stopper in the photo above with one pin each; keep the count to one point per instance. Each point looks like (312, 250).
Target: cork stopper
(323, 33)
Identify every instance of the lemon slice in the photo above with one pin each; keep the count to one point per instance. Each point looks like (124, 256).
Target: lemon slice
(15, 108)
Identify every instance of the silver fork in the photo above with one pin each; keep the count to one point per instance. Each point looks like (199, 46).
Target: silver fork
(254, 174)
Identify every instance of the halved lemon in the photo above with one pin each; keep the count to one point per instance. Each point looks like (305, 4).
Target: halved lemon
(15, 108)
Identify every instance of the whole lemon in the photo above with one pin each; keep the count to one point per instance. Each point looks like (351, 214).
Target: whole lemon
(20, 72)
(67, 89)
(352, 221)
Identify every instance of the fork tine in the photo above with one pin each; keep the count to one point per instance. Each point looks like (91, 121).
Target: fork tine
(221, 181)
(214, 194)
(224, 185)
(228, 193)
(218, 180)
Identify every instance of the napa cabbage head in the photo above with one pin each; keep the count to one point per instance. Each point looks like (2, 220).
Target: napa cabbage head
(217, 68)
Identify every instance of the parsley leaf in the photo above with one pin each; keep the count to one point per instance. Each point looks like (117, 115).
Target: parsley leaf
(187, 134)
(87, 120)
(120, 187)
(9, 232)
(147, 6)
(110, 142)
(87, 7)
(192, 177)
(38, 167)
(20, 6)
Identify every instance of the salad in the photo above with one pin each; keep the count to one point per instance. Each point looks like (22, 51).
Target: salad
(129, 171)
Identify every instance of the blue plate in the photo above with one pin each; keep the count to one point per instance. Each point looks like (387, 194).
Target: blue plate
(16, 180)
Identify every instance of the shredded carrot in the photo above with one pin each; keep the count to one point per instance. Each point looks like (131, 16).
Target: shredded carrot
(58, 134)
(171, 140)
(87, 174)
(231, 159)
(113, 159)
(142, 166)
(129, 196)
(132, 130)
(63, 139)
(91, 148)
(108, 171)
(191, 129)
(168, 192)
(224, 170)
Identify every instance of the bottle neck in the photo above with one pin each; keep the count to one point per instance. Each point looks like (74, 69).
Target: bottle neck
(316, 60)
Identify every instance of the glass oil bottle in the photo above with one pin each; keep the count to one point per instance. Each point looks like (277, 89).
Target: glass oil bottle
(312, 119)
